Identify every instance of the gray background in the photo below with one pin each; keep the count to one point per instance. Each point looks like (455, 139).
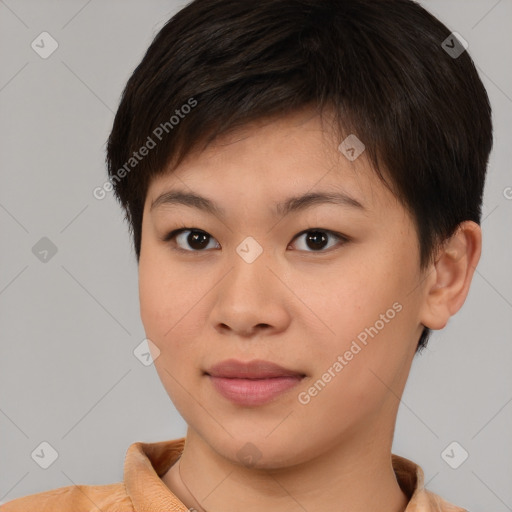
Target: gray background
(68, 326)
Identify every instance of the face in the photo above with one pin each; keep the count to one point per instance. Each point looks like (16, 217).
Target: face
(328, 288)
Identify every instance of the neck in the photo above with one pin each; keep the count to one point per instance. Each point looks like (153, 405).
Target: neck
(356, 476)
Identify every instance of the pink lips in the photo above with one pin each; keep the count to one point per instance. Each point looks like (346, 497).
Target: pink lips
(253, 383)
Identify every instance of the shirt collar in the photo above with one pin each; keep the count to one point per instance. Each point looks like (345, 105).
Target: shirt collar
(146, 463)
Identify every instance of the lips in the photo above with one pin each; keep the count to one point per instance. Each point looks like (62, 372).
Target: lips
(252, 383)
(255, 369)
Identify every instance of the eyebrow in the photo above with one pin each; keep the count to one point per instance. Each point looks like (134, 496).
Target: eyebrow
(292, 204)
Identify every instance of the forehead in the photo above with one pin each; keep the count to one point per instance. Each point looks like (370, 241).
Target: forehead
(273, 159)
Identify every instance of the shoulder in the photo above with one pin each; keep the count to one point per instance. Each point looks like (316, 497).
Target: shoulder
(74, 498)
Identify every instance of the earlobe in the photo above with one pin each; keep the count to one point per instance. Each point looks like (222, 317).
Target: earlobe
(449, 278)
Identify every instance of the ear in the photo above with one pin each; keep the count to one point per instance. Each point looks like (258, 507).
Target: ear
(449, 277)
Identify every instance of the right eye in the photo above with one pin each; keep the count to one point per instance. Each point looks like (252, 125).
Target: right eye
(193, 237)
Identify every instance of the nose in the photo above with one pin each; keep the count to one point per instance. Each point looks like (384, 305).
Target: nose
(251, 299)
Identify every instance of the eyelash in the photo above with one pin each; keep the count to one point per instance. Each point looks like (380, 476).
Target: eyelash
(171, 235)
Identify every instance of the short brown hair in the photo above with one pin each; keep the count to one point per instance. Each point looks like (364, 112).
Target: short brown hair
(380, 65)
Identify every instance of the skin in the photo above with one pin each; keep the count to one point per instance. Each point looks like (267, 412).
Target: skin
(295, 306)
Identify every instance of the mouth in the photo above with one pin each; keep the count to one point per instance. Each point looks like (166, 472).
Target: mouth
(252, 383)
(252, 392)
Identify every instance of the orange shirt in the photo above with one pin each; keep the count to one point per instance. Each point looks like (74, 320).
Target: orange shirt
(143, 491)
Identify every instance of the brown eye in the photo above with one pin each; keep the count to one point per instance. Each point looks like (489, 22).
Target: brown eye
(191, 240)
(315, 240)
(197, 240)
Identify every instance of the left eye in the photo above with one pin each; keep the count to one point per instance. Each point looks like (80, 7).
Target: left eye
(315, 239)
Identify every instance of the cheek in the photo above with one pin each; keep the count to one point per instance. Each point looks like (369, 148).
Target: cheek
(158, 311)
(149, 295)
(348, 299)
(353, 379)
(159, 288)
(369, 321)
(167, 310)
